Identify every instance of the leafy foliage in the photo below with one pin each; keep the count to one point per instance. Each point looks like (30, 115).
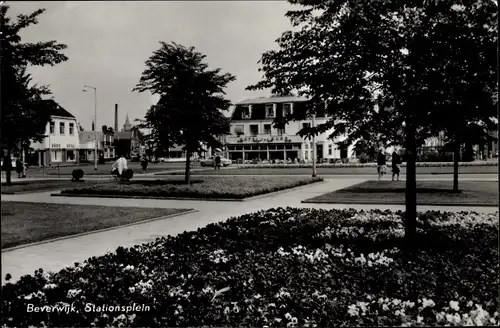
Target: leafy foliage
(389, 70)
(25, 114)
(189, 111)
(410, 54)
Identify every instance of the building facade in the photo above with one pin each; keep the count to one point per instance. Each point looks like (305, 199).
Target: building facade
(254, 137)
(105, 145)
(61, 143)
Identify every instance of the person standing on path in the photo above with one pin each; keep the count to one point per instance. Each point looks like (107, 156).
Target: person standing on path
(19, 168)
(396, 161)
(144, 164)
(381, 164)
(217, 162)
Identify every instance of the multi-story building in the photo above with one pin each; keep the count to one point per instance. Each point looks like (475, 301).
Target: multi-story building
(105, 145)
(61, 142)
(253, 135)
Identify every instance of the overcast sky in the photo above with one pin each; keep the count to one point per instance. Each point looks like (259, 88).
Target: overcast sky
(108, 43)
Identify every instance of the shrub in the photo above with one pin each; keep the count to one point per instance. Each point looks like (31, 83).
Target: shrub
(283, 267)
(77, 174)
(364, 158)
(127, 174)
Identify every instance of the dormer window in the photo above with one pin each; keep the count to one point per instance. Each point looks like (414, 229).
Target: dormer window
(247, 111)
(287, 109)
(270, 110)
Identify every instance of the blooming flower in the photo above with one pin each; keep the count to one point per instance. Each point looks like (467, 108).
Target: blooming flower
(454, 305)
(428, 303)
(353, 311)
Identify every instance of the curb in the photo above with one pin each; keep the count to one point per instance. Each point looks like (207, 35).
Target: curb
(193, 199)
(368, 202)
(10, 249)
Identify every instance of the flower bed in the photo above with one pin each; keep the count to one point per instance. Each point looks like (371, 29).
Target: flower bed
(283, 267)
(418, 164)
(211, 187)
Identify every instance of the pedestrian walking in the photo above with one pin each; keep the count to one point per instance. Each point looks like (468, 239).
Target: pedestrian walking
(381, 164)
(144, 164)
(19, 168)
(217, 162)
(396, 161)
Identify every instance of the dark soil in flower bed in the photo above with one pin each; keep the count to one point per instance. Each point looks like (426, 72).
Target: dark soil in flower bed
(24, 223)
(471, 193)
(27, 186)
(282, 267)
(210, 187)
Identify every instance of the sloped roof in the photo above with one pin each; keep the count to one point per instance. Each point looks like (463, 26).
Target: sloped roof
(57, 110)
(124, 134)
(275, 100)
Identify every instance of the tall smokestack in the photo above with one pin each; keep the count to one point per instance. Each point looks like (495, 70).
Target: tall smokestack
(116, 117)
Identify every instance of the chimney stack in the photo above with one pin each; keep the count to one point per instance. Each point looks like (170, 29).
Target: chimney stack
(116, 117)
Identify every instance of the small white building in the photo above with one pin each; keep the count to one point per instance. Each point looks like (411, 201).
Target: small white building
(61, 142)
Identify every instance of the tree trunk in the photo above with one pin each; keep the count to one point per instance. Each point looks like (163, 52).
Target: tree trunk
(456, 159)
(411, 189)
(187, 174)
(8, 173)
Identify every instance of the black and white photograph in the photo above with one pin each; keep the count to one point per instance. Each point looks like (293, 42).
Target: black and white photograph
(249, 163)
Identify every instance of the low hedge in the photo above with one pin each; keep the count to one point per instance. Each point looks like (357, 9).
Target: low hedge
(282, 267)
(418, 164)
(211, 187)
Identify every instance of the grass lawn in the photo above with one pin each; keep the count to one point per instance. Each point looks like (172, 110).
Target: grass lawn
(283, 267)
(24, 223)
(27, 186)
(208, 188)
(341, 171)
(478, 193)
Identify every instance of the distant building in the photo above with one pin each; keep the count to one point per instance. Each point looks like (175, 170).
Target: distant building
(253, 135)
(106, 145)
(127, 126)
(129, 143)
(62, 141)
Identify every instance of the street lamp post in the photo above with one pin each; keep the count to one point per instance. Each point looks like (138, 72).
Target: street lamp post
(314, 147)
(85, 89)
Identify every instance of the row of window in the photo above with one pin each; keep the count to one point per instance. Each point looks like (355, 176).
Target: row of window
(254, 129)
(57, 155)
(62, 128)
(270, 110)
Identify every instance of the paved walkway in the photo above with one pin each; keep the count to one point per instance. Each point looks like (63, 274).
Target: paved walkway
(152, 176)
(56, 255)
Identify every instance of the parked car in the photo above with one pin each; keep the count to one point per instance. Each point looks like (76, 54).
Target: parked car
(210, 161)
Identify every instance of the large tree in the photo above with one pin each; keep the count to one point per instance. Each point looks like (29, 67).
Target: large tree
(353, 55)
(189, 111)
(465, 43)
(25, 113)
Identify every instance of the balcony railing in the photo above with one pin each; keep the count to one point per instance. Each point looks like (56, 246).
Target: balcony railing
(263, 138)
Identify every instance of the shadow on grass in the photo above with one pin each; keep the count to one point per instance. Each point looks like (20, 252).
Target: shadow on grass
(400, 190)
